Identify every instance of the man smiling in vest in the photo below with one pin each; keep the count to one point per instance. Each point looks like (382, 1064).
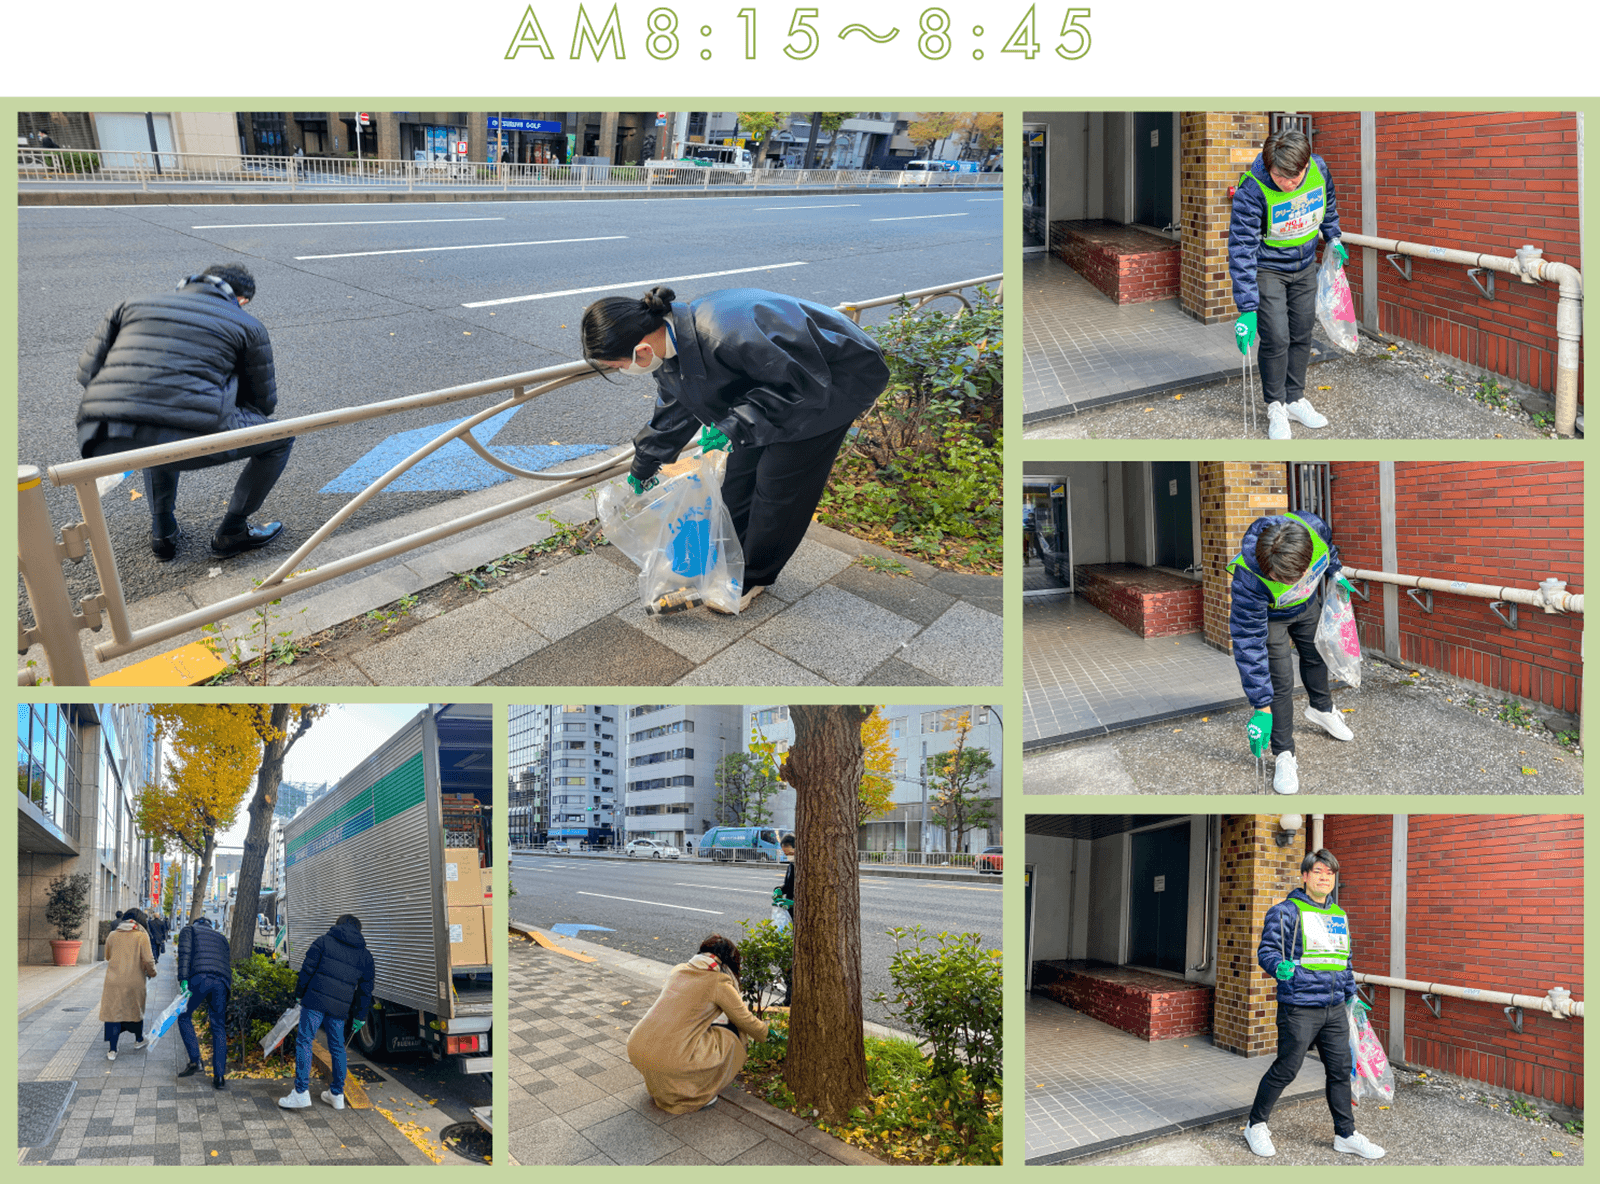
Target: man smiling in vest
(1281, 206)
(1276, 603)
(1305, 946)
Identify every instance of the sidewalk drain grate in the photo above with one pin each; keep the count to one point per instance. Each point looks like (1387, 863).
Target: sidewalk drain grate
(362, 1073)
(468, 1140)
(40, 1105)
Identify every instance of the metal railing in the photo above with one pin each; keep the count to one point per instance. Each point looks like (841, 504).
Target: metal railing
(965, 859)
(41, 550)
(147, 170)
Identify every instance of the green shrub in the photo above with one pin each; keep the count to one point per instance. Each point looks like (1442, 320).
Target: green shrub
(262, 991)
(766, 958)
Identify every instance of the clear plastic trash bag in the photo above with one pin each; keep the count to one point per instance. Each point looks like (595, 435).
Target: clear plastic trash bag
(162, 1024)
(680, 535)
(1335, 309)
(1371, 1074)
(780, 919)
(1337, 639)
(287, 1022)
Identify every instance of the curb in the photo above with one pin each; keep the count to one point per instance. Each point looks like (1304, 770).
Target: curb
(890, 871)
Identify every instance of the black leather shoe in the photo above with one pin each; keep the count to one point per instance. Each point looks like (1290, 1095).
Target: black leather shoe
(251, 538)
(165, 546)
(190, 1071)
(222, 1084)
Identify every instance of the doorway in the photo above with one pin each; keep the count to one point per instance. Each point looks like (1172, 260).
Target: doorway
(1173, 495)
(1035, 214)
(1158, 898)
(1153, 150)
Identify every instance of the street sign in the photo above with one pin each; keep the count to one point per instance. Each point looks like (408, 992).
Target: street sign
(661, 116)
(363, 119)
(461, 147)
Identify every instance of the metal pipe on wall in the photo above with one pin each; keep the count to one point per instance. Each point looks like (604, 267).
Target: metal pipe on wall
(1551, 595)
(1558, 1002)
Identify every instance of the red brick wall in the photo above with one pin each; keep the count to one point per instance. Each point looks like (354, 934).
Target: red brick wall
(1495, 902)
(1477, 181)
(1147, 612)
(1512, 524)
(1144, 1005)
(1129, 266)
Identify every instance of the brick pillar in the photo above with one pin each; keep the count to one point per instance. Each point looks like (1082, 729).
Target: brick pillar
(478, 137)
(606, 145)
(1216, 147)
(1233, 494)
(1256, 874)
(387, 126)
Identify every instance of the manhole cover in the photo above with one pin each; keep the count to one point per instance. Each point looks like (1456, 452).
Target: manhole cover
(362, 1073)
(468, 1140)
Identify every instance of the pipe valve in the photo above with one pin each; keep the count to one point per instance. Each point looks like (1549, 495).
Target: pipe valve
(1553, 592)
(1527, 262)
(1559, 1002)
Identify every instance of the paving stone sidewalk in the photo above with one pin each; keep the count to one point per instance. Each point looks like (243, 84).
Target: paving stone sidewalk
(576, 1100)
(136, 1111)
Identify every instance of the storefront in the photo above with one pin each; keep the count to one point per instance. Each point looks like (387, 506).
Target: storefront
(526, 141)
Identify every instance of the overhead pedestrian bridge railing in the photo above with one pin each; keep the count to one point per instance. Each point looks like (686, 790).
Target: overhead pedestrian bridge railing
(42, 548)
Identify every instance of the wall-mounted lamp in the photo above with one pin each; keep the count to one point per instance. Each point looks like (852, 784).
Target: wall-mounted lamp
(1288, 826)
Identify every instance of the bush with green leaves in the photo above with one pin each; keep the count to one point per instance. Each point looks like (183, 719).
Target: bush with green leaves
(262, 991)
(947, 991)
(766, 959)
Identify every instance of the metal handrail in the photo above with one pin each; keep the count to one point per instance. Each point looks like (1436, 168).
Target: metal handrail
(47, 590)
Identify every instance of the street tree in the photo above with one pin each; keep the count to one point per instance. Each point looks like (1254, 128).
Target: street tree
(877, 780)
(279, 727)
(957, 781)
(982, 132)
(831, 122)
(745, 784)
(212, 752)
(826, 1065)
(930, 127)
(761, 124)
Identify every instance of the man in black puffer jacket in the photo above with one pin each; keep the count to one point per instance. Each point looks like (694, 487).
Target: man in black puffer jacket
(179, 365)
(205, 970)
(335, 986)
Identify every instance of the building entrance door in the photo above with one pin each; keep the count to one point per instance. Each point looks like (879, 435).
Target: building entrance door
(1152, 168)
(1158, 898)
(1173, 494)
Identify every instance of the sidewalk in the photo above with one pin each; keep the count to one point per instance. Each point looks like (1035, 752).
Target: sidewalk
(827, 621)
(37, 985)
(576, 1100)
(135, 1111)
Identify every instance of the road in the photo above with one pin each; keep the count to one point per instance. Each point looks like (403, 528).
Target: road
(664, 909)
(369, 301)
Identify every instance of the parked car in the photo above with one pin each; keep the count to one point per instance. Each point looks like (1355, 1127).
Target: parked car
(654, 848)
(558, 847)
(990, 861)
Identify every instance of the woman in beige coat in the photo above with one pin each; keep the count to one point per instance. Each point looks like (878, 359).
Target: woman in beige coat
(684, 1045)
(129, 963)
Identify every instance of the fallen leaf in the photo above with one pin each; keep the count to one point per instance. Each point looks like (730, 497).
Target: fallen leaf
(1205, 719)
(1175, 398)
(1527, 772)
(214, 572)
(135, 496)
(1324, 388)
(466, 332)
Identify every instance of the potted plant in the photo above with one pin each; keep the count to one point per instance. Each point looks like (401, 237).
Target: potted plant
(67, 910)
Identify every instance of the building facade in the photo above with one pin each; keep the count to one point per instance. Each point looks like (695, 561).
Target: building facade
(671, 755)
(563, 773)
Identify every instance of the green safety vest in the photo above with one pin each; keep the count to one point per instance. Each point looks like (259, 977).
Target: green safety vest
(1293, 218)
(1302, 590)
(1326, 931)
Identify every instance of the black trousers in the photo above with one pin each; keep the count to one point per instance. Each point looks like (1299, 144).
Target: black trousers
(771, 493)
(264, 465)
(1285, 320)
(1284, 640)
(1298, 1029)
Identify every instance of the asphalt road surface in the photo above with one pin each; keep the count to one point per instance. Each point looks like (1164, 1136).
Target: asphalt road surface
(454, 1092)
(664, 909)
(371, 301)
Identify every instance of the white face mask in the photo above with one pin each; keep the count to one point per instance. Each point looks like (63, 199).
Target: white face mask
(637, 370)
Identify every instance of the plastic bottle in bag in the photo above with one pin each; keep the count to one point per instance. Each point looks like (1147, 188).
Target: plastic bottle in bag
(1335, 307)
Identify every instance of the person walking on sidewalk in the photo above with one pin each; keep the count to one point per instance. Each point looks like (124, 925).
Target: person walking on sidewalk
(205, 971)
(692, 1042)
(129, 963)
(179, 365)
(1277, 602)
(784, 898)
(1305, 946)
(334, 987)
(158, 936)
(775, 380)
(1281, 206)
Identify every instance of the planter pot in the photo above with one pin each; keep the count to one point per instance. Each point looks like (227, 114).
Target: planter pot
(66, 952)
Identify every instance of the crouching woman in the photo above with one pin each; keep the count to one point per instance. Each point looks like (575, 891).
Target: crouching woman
(692, 1041)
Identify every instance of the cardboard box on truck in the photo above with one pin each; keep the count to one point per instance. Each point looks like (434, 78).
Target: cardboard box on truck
(467, 937)
(463, 878)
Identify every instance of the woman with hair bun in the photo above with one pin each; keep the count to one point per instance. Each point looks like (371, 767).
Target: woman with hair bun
(774, 379)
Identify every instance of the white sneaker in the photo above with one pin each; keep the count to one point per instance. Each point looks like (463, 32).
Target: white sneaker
(333, 1099)
(297, 1099)
(1277, 422)
(111, 1055)
(138, 1044)
(1331, 722)
(1301, 411)
(1357, 1144)
(1286, 774)
(744, 601)
(1260, 1139)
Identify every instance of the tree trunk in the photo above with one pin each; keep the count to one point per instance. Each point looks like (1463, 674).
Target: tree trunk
(196, 902)
(247, 900)
(826, 1065)
(811, 141)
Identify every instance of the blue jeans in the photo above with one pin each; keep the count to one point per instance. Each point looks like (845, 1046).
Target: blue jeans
(333, 1025)
(210, 992)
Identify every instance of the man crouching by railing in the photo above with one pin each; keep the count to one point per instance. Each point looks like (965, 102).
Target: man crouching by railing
(175, 366)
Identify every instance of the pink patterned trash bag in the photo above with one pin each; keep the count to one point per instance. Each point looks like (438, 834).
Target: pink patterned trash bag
(1335, 307)
(1337, 639)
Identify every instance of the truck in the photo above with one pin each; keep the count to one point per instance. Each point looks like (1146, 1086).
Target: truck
(755, 844)
(729, 160)
(378, 846)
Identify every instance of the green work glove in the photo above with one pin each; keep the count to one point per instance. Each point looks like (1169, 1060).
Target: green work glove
(1284, 970)
(357, 1026)
(1244, 331)
(1259, 731)
(1344, 255)
(184, 986)
(711, 440)
(1360, 1002)
(1345, 584)
(639, 486)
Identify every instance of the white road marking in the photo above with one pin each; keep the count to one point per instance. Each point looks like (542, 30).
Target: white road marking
(383, 222)
(657, 903)
(847, 205)
(543, 242)
(918, 217)
(671, 279)
(986, 199)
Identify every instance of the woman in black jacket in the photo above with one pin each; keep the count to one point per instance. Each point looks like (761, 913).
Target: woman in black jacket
(776, 380)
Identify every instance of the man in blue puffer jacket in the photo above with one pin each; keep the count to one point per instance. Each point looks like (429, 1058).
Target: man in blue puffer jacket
(335, 986)
(1305, 946)
(1281, 206)
(1277, 602)
(205, 971)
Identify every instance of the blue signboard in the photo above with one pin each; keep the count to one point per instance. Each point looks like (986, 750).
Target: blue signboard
(525, 125)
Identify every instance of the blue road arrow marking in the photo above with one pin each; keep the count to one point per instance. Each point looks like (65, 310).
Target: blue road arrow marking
(455, 466)
(567, 929)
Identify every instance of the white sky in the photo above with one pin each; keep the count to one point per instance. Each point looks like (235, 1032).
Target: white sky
(336, 743)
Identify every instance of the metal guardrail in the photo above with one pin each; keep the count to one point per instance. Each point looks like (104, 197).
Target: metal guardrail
(41, 550)
(147, 170)
(968, 859)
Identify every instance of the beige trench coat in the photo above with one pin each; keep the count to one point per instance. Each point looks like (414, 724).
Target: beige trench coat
(686, 1061)
(128, 963)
